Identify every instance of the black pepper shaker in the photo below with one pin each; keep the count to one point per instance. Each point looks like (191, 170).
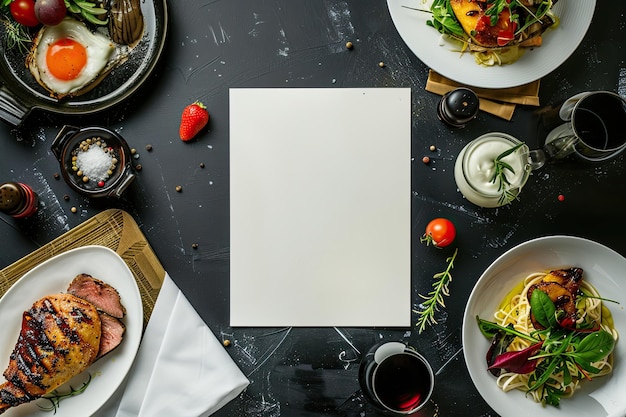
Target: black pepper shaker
(17, 200)
(458, 107)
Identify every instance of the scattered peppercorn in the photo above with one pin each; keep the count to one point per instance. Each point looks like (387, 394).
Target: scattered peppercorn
(381, 64)
(133, 151)
(426, 160)
(138, 167)
(66, 197)
(148, 148)
(433, 148)
(56, 176)
(226, 342)
(201, 164)
(194, 246)
(73, 210)
(179, 188)
(561, 197)
(349, 45)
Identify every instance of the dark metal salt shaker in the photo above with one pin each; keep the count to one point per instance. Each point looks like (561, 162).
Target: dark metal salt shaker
(458, 107)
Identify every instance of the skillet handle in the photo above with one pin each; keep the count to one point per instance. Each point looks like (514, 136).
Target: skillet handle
(12, 110)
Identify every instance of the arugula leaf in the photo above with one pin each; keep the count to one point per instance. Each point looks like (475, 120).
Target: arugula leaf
(546, 374)
(489, 330)
(444, 19)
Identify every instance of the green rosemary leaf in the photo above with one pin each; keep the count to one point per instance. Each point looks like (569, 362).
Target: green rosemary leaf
(435, 298)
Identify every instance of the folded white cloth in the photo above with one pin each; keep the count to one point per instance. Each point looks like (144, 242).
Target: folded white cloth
(181, 369)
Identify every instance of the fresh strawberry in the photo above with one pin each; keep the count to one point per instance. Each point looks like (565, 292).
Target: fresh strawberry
(194, 118)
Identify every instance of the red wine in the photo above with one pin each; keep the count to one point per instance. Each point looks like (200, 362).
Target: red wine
(401, 382)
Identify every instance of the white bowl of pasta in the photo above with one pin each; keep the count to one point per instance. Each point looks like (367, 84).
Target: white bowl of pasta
(577, 350)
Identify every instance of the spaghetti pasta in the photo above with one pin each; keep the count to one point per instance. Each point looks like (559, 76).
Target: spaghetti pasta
(564, 378)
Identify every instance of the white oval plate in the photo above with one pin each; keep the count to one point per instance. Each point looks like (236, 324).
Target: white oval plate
(54, 276)
(426, 43)
(602, 267)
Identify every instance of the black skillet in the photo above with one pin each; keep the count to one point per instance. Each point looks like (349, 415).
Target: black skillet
(20, 94)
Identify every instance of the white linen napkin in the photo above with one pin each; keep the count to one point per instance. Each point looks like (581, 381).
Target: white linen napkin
(181, 369)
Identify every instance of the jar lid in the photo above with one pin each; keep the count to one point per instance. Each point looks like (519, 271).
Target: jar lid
(458, 107)
(11, 197)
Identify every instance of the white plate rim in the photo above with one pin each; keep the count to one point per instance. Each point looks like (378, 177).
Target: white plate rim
(595, 396)
(558, 44)
(108, 372)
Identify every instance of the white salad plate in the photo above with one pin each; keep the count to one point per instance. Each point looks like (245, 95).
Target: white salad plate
(54, 276)
(444, 57)
(602, 267)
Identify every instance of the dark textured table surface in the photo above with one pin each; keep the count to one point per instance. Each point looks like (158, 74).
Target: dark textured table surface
(214, 45)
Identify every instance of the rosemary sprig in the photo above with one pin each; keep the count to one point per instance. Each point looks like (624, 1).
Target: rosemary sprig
(55, 397)
(435, 299)
(499, 175)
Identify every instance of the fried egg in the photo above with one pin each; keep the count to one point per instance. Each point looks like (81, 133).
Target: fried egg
(68, 59)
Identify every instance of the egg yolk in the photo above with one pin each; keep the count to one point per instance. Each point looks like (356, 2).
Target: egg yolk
(66, 58)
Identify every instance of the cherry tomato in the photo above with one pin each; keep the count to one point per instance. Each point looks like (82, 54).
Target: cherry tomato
(23, 11)
(440, 232)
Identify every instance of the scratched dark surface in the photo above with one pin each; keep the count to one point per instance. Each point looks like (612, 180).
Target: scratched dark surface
(215, 45)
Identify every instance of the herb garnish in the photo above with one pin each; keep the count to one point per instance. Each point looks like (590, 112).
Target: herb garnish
(556, 350)
(434, 299)
(499, 175)
(444, 20)
(55, 397)
(16, 35)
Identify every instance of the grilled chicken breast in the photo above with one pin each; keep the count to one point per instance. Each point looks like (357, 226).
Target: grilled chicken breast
(61, 336)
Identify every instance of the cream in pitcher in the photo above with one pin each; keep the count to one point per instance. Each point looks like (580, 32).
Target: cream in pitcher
(489, 173)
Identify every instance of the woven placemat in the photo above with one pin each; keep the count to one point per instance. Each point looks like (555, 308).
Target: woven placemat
(115, 229)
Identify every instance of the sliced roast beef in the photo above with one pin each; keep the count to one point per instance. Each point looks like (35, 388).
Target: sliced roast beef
(112, 333)
(102, 295)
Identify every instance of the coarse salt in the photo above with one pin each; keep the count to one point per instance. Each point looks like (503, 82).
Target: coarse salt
(95, 163)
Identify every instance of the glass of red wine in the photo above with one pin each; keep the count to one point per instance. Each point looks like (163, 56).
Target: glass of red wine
(396, 378)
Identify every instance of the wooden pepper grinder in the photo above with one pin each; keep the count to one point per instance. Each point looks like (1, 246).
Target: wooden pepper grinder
(17, 200)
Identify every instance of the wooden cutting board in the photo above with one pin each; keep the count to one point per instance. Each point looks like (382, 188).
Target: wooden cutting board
(115, 229)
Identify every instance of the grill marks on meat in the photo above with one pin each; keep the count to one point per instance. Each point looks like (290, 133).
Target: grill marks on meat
(99, 293)
(59, 338)
(61, 335)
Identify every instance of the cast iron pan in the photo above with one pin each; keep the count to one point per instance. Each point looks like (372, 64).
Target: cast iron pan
(20, 93)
